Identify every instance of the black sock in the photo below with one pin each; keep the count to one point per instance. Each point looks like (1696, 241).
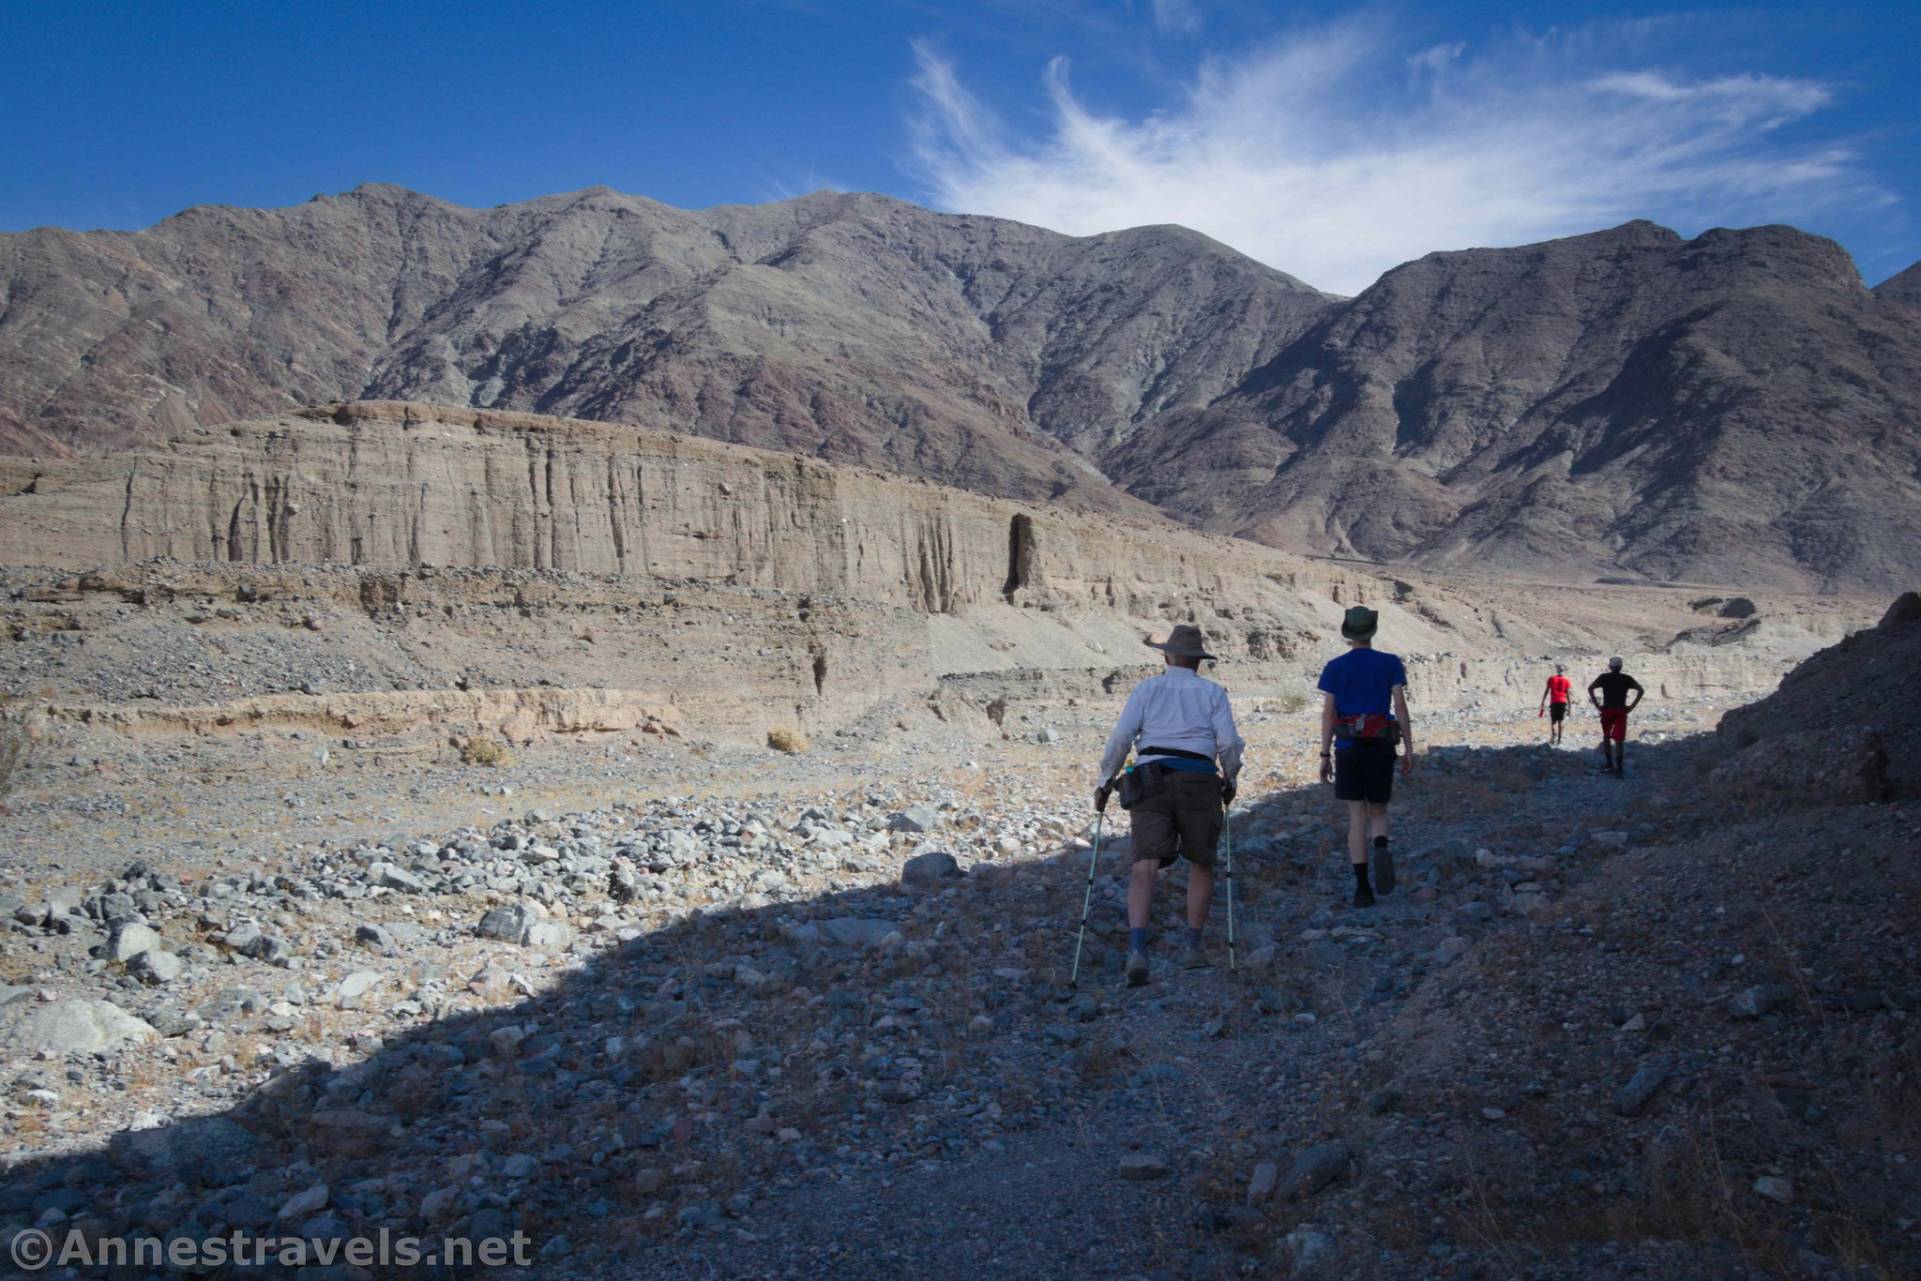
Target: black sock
(1360, 875)
(1380, 842)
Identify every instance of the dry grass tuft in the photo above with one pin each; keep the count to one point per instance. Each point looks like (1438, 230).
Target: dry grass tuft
(782, 739)
(481, 750)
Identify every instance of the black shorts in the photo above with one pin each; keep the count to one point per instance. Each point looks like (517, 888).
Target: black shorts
(1364, 772)
(1179, 818)
(1557, 712)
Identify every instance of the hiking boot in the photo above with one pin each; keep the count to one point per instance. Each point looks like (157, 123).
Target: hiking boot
(1195, 959)
(1383, 869)
(1136, 968)
(1363, 896)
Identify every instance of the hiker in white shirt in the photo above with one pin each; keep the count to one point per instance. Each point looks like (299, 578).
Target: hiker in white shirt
(1179, 727)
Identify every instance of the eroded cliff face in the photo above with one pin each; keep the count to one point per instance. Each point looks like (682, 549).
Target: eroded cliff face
(389, 485)
(515, 574)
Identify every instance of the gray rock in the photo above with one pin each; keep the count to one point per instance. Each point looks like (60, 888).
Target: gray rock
(1309, 1253)
(242, 936)
(854, 930)
(375, 937)
(1315, 1168)
(1142, 1166)
(1776, 1189)
(1267, 1177)
(1633, 1097)
(78, 1026)
(397, 878)
(1450, 950)
(550, 936)
(306, 1202)
(505, 924)
(1760, 999)
(187, 1147)
(130, 939)
(352, 993)
(155, 967)
(927, 871)
(915, 818)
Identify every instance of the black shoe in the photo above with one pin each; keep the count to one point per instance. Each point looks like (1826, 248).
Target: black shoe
(1136, 969)
(1363, 897)
(1383, 869)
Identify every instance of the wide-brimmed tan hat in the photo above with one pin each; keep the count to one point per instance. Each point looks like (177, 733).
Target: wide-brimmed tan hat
(1183, 642)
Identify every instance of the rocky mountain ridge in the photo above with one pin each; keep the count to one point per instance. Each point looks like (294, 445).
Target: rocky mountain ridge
(1737, 408)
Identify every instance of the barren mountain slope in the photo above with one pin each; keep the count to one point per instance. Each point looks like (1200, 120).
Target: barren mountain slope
(1737, 407)
(1903, 287)
(854, 327)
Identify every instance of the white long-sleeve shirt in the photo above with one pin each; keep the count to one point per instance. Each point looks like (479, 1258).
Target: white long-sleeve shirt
(1177, 709)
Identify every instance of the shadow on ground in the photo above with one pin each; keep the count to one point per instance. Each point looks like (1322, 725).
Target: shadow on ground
(673, 1089)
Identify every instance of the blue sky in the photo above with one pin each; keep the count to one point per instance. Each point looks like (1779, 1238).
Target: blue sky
(1330, 143)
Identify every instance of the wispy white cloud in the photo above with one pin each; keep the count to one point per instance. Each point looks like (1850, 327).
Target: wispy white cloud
(1179, 16)
(1336, 154)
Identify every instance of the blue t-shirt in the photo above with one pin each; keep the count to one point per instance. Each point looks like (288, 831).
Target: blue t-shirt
(1362, 681)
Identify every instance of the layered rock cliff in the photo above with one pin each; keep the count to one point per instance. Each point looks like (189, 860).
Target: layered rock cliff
(358, 563)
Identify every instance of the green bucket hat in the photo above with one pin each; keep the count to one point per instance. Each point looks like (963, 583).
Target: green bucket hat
(1360, 623)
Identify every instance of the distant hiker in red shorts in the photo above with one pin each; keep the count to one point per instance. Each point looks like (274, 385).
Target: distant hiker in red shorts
(1609, 694)
(1364, 711)
(1555, 696)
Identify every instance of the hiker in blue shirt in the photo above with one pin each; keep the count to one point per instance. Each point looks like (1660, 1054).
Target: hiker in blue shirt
(1363, 716)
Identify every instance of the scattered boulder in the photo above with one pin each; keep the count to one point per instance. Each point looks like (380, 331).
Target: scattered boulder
(505, 924)
(857, 931)
(915, 818)
(129, 939)
(155, 967)
(1315, 1168)
(1143, 1166)
(186, 1147)
(78, 1026)
(927, 871)
(1267, 1176)
(1634, 1096)
(352, 992)
(1763, 998)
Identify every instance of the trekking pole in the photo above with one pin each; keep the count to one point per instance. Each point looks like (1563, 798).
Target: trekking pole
(1227, 862)
(1073, 978)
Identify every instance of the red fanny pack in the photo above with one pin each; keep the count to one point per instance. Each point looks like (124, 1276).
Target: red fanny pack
(1370, 726)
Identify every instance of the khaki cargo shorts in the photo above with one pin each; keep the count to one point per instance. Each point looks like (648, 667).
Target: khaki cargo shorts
(1180, 818)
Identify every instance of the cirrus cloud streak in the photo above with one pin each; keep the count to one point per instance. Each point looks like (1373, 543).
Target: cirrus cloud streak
(1335, 155)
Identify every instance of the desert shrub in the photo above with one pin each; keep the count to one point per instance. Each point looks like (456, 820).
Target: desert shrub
(481, 750)
(1288, 704)
(786, 740)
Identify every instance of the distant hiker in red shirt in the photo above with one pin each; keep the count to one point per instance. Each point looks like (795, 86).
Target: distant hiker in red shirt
(1555, 695)
(1609, 694)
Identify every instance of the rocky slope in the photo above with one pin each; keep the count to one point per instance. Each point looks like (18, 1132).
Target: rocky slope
(1734, 408)
(1903, 287)
(824, 1028)
(853, 327)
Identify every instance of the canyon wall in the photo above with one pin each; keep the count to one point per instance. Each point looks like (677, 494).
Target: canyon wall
(362, 563)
